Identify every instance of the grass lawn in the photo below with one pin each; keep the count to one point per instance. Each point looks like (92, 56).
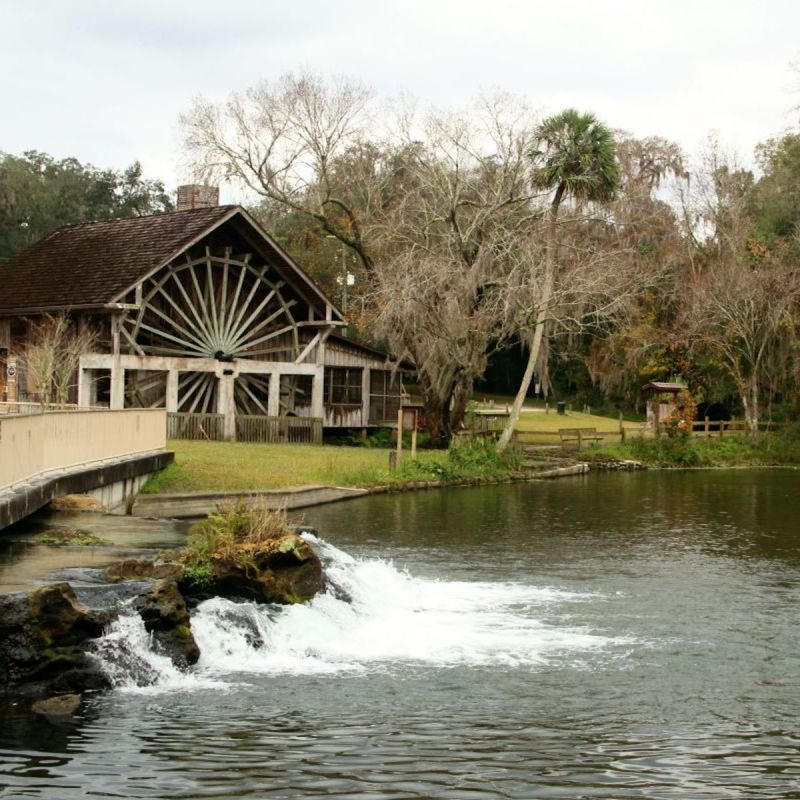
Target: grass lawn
(238, 467)
(235, 467)
(539, 421)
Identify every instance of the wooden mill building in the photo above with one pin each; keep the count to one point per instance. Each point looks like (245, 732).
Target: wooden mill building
(199, 311)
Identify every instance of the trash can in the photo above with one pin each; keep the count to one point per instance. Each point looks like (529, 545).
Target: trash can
(561, 407)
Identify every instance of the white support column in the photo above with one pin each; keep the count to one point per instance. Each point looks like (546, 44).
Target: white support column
(365, 385)
(117, 399)
(86, 386)
(226, 406)
(274, 399)
(318, 393)
(172, 391)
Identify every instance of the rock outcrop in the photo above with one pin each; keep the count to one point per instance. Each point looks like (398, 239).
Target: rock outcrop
(43, 638)
(45, 633)
(166, 617)
(282, 570)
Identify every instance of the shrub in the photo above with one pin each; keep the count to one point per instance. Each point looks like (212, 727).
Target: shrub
(678, 424)
(675, 451)
(231, 531)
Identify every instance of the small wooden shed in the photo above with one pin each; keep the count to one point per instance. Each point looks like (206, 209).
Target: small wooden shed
(661, 401)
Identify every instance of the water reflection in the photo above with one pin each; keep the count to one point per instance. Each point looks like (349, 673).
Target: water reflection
(695, 576)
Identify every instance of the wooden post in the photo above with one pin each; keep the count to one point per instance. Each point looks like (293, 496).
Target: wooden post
(721, 427)
(707, 427)
(365, 398)
(399, 434)
(547, 408)
(414, 437)
(621, 429)
(579, 440)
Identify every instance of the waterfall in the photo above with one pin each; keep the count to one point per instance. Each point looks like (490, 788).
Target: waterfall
(372, 615)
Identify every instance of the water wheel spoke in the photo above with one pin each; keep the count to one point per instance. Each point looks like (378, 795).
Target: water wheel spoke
(192, 330)
(270, 335)
(242, 385)
(191, 306)
(191, 335)
(193, 383)
(251, 332)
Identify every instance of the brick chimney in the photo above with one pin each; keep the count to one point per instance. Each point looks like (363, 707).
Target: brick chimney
(195, 195)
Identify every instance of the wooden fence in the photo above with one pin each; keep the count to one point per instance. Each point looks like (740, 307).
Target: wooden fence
(249, 428)
(706, 428)
(195, 426)
(297, 430)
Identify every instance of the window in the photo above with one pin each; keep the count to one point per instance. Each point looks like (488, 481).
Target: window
(343, 386)
(384, 395)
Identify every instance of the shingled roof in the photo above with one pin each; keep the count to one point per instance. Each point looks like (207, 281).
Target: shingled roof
(91, 264)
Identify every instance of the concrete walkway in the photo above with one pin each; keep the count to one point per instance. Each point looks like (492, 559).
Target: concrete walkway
(119, 478)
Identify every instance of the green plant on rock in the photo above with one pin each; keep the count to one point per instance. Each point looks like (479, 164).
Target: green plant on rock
(199, 575)
(233, 530)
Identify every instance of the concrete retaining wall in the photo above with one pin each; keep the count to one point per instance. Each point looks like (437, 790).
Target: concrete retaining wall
(189, 506)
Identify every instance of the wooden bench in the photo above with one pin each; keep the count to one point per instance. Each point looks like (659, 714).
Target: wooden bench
(579, 435)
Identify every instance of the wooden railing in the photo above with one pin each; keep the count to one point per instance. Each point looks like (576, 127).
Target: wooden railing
(297, 430)
(195, 426)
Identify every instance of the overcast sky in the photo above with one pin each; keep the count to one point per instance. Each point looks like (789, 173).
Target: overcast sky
(105, 80)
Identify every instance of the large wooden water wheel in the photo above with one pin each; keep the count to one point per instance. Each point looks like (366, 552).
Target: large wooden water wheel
(219, 307)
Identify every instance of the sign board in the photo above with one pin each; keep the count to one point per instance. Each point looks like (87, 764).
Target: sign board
(11, 370)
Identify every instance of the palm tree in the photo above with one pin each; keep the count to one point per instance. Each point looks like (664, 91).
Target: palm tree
(575, 155)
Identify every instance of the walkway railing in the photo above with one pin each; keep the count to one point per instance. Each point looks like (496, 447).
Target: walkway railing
(31, 407)
(34, 444)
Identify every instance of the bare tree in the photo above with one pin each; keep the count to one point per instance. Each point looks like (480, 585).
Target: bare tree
(741, 298)
(741, 314)
(53, 354)
(436, 211)
(455, 248)
(652, 171)
(294, 143)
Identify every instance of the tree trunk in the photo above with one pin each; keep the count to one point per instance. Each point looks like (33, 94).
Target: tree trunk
(751, 407)
(437, 418)
(541, 319)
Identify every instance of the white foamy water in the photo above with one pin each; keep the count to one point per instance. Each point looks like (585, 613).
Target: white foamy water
(371, 615)
(127, 656)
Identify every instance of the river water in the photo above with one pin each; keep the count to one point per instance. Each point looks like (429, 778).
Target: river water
(612, 636)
